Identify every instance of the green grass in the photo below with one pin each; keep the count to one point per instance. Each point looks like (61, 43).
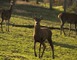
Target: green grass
(18, 43)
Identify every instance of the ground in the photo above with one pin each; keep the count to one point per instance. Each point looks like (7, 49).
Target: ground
(18, 43)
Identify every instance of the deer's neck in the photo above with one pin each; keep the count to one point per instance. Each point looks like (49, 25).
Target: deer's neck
(37, 28)
(11, 8)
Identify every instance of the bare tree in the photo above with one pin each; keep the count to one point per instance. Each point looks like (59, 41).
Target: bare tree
(65, 4)
(51, 2)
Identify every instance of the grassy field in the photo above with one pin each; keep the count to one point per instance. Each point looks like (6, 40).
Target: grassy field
(18, 43)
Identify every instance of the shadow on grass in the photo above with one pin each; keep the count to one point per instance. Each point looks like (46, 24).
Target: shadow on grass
(29, 11)
(25, 26)
(65, 45)
(32, 26)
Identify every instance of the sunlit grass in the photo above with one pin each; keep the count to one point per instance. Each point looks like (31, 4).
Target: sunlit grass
(18, 43)
(60, 8)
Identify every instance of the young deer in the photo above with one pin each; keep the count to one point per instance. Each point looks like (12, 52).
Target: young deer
(6, 15)
(41, 35)
(69, 18)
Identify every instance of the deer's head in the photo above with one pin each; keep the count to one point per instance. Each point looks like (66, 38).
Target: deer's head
(37, 20)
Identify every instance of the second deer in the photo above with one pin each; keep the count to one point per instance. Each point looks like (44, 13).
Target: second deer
(41, 34)
(69, 18)
(6, 15)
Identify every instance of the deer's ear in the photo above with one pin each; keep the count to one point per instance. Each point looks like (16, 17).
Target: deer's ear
(34, 17)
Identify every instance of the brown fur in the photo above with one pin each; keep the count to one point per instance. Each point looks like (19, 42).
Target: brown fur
(40, 35)
(69, 18)
(6, 15)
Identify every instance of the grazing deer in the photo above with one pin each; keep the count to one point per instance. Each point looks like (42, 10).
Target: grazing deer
(41, 34)
(6, 15)
(69, 18)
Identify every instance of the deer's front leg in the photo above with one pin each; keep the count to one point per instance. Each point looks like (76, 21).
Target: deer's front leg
(76, 28)
(8, 25)
(1, 25)
(62, 29)
(69, 28)
(44, 46)
(35, 49)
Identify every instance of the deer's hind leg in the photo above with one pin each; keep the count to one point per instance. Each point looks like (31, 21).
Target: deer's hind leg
(44, 47)
(52, 47)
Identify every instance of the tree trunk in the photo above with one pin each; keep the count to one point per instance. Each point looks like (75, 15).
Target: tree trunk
(65, 4)
(27, 0)
(37, 1)
(51, 2)
(76, 7)
(69, 2)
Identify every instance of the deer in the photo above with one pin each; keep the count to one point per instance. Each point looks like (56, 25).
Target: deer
(6, 15)
(41, 34)
(70, 18)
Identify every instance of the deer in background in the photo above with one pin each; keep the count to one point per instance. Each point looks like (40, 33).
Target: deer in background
(69, 18)
(41, 34)
(6, 15)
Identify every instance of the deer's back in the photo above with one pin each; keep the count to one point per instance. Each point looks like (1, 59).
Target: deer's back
(46, 32)
(68, 17)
